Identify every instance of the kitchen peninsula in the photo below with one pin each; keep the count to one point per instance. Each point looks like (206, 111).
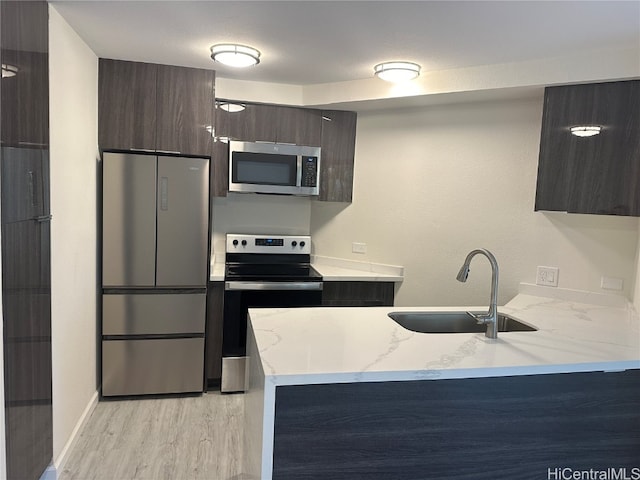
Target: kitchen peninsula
(348, 393)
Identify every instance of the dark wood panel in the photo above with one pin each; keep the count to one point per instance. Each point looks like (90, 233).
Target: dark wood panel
(29, 439)
(357, 294)
(25, 183)
(599, 174)
(25, 107)
(126, 105)
(338, 150)
(300, 126)
(220, 169)
(26, 257)
(25, 96)
(257, 122)
(489, 428)
(26, 282)
(185, 104)
(213, 347)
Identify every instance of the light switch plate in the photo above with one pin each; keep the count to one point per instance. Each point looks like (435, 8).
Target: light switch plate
(547, 276)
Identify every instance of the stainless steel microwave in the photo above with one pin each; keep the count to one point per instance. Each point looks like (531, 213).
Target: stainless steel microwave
(274, 168)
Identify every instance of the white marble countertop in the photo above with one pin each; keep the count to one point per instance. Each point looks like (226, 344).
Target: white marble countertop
(331, 269)
(329, 345)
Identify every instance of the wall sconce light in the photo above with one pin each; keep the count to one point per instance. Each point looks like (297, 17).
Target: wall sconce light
(585, 130)
(9, 70)
(235, 55)
(397, 71)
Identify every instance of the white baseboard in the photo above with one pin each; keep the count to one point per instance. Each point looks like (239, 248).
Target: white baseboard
(58, 463)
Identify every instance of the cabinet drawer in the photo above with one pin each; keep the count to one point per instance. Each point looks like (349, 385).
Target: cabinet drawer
(153, 366)
(145, 314)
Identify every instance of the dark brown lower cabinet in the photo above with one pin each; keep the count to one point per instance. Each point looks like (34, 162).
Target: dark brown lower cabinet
(358, 294)
(213, 343)
(523, 427)
(26, 311)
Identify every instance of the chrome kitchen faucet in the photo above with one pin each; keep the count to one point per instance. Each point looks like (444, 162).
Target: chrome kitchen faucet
(491, 317)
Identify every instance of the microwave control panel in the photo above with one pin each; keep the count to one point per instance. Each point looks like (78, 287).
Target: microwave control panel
(309, 171)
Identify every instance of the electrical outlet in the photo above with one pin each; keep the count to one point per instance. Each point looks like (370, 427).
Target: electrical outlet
(611, 283)
(359, 247)
(547, 276)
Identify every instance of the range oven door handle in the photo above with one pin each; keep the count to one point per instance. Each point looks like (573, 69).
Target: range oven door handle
(239, 285)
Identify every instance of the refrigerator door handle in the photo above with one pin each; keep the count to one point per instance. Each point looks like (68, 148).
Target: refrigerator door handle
(164, 193)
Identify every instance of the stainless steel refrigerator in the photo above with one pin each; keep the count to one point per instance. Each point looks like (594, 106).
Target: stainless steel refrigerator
(155, 230)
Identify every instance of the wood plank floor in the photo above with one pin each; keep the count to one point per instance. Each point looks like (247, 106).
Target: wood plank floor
(160, 438)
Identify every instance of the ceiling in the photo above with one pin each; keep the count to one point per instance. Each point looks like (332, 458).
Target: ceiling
(318, 42)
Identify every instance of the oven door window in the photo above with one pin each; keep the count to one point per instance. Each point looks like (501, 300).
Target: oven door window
(264, 169)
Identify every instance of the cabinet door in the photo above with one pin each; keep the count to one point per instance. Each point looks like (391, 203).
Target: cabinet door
(183, 222)
(25, 96)
(338, 150)
(25, 184)
(598, 174)
(358, 294)
(128, 220)
(300, 126)
(256, 123)
(127, 105)
(185, 104)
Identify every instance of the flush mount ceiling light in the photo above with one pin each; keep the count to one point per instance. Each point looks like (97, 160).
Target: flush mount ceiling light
(9, 70)
(231, 107)
(397, 71)
(585, 130)
(235, 55)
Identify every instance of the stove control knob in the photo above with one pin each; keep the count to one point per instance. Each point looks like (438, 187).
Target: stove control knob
(235, 243)
(294, 243)
(302, 244)
(244, 243)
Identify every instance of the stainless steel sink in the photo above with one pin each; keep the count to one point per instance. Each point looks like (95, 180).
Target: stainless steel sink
(454, 322)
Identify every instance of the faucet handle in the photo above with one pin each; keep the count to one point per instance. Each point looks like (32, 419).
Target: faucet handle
(481, 318)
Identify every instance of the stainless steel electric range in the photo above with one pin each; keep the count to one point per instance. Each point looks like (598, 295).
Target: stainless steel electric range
(262, 271)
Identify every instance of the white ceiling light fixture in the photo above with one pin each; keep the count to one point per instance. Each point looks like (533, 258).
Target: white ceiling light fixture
(231, 107)
(9, 70)
(233, 55)
(397, 71)
(585, 130)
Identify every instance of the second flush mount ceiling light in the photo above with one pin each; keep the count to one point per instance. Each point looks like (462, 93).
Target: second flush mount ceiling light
(397, 71)
(235, 55)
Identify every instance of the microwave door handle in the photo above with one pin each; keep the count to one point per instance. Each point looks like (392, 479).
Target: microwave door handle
(298, 170)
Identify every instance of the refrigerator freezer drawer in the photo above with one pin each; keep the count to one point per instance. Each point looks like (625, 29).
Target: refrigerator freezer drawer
(145, 314)
(139, 367)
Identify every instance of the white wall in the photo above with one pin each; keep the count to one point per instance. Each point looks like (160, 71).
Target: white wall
(257, 213)
(433, 183)
(73, 75)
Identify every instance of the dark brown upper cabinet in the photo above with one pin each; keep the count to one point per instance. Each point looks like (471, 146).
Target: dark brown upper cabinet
(598, 174)
(270, 123)
(163, 108)
(127, 105)
(25, 95)
(338, 150)
(333, 130)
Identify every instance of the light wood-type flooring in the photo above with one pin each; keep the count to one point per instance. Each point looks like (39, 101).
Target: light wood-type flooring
(181, 438)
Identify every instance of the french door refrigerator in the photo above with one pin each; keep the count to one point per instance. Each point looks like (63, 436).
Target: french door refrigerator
(155, 230)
